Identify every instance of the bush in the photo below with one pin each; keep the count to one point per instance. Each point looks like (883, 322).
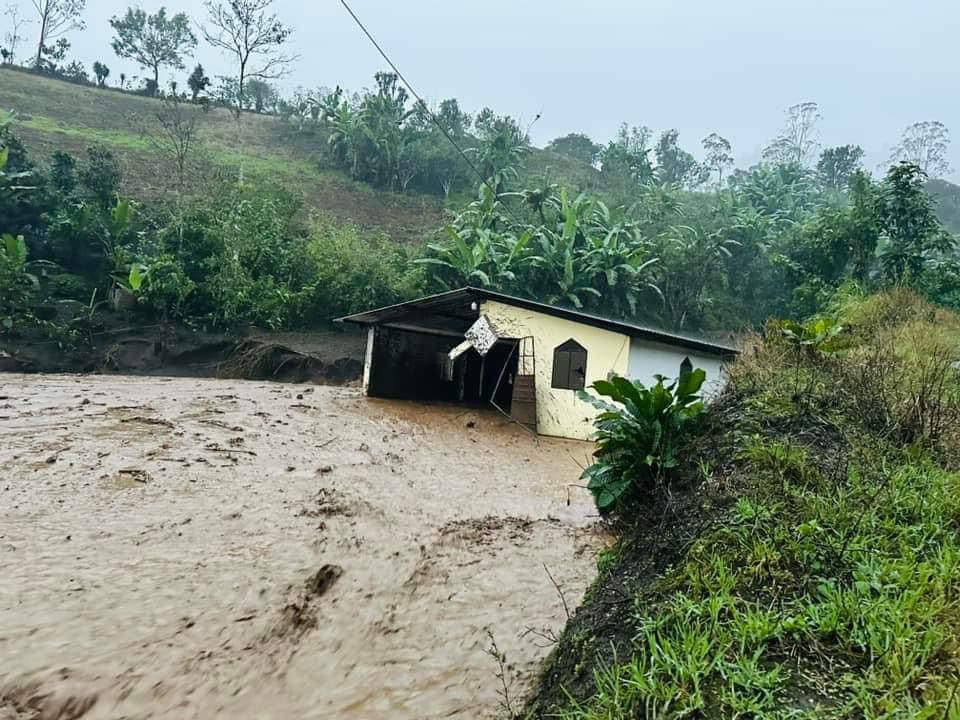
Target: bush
(351, 271)
(16, 285)
(66, 286)
(638, 439)
(821, 574)
(164, 286)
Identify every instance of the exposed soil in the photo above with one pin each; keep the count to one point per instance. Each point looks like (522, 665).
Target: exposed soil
(197, 548)
(328, 358)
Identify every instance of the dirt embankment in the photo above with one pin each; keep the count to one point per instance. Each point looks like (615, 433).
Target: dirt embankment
(328, 358)
(197, 548)
(655, 540)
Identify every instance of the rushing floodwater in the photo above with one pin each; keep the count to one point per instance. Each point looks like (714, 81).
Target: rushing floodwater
(186, 548)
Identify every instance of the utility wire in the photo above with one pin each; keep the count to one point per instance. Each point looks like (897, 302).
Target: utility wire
(430, 112)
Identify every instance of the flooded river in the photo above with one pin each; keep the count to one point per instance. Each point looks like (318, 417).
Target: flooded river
(180, 548)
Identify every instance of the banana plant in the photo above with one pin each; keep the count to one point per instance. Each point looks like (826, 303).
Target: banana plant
(621, 260)
(467, 262)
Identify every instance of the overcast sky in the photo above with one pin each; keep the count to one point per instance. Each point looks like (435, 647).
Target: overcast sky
(730, 66)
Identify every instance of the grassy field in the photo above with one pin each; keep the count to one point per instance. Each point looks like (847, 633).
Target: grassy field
(56, 115)
(806, 565)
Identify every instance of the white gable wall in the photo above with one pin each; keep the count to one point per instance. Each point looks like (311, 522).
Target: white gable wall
(561, 413)
(648, 359)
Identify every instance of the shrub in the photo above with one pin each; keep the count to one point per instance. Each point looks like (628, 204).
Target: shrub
(66, 286)
(102, 175)
(16, 284)
(638, 439)
(163, 286)
(351, 270)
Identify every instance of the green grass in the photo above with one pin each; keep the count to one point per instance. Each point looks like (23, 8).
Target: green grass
(115, 139)
(831, 588)
(56, 115)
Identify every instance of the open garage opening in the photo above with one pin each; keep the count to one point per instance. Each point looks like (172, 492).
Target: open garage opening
(414, 365)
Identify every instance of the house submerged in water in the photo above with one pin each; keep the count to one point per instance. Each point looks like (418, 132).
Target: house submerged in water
(528, 359)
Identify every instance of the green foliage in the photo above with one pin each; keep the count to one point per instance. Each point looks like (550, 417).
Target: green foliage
(102, 72)
(828, 587)
(838, 165)
(819, 334)
(153, 41)
(638, 439)
(577, 146)
(912, 233)
(379, 138)
(63, 172)
(349, 271)
(675, 166)
(101, 175)
(162, 286)
(198, 81)
(16, 284)
(580, 253)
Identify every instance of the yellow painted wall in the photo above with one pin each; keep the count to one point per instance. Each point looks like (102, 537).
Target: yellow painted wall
(559, 412)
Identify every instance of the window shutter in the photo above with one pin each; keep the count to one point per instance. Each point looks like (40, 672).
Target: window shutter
(569, 366)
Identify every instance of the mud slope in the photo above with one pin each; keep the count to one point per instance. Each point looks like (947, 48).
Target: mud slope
(183, 548)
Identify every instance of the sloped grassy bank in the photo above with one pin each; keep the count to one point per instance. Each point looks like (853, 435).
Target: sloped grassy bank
(806, 561)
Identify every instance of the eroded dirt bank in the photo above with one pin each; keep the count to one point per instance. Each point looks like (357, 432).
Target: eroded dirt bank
(186, 548)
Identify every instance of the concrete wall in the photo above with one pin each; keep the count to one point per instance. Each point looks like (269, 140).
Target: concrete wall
(559, 412)
(650, 358)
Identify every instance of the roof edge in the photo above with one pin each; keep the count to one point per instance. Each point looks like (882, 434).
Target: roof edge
(621, 326)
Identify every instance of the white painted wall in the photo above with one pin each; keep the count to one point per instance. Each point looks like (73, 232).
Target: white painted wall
(368, 358)
(648, 359)
(561, 413)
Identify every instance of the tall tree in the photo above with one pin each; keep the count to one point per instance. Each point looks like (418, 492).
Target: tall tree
(153, 40)
(503, 145)
(837, 165)
(577, 146)
(798, 142)
(174, 135)
(718, 155)
(627, 157)
(909, 225)
(262, 95)
(13, 36)
(102, 72)
(252, 36)
(452, 118)
(925, 145)
(198, 81)
(57, 18)
(675, 166)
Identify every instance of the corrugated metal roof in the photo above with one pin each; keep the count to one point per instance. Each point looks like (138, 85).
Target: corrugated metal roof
(453, 302)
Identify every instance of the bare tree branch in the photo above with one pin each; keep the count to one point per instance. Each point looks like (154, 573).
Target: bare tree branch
(57, 18)
(252, 36)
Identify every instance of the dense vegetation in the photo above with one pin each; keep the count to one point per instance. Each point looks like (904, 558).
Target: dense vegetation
(804, 563)
(226, 232)
(812, 511)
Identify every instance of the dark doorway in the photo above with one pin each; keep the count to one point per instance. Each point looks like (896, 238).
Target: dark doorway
(410, 365)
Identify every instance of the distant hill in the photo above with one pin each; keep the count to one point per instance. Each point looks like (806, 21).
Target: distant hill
(947, 197)
(56, 115)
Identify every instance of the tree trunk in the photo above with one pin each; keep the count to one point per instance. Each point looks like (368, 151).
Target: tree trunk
(43, 32)
(156, 80)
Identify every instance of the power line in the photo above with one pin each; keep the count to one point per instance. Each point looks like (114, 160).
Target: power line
(430, 112)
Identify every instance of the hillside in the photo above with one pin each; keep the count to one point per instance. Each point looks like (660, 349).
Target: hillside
(56, 115)
(804, 563)
(947, 198)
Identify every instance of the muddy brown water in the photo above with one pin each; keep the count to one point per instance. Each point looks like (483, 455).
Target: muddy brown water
(182, 548)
